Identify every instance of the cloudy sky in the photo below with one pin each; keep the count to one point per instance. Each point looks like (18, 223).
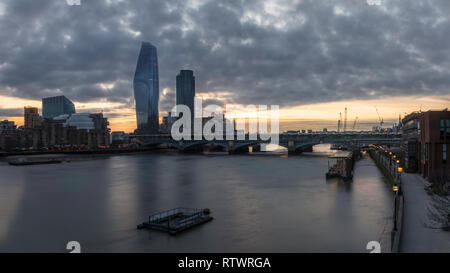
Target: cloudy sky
(311, 57)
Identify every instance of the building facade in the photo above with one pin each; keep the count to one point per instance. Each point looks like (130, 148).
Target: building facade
(7, 125)
(55, 106)
(146, 89)
(8, 133)
(434, 144)
(88, 131)
(31, 117)
(167, 122)
(119, 138)
(186, 90)
(409, 146)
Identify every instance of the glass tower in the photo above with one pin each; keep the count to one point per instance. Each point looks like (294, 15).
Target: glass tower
(186, 89)
(55, 106)
(146, 89)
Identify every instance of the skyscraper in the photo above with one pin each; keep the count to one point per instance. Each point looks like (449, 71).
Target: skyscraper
(146, 89)
(186, 89)
(55, 106)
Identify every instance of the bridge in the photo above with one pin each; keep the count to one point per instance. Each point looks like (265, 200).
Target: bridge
(295, 143)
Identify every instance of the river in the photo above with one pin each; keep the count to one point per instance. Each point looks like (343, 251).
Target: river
(260, 203)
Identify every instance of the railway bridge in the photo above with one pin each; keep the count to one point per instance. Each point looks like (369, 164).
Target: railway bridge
(295, 143)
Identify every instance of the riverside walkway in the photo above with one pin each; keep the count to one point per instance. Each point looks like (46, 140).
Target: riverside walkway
(418, 232)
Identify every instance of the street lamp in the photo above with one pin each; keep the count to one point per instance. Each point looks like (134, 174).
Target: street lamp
(395, 188)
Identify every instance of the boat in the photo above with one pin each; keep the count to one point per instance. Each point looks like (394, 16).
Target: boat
(33, 161)
(340, 165)
(176, 220)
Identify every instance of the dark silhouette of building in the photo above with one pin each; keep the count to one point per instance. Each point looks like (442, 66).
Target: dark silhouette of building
(8, 135)
(53, 133)
(146, 89)
(119, 138)
(7, 125)
(186, 90)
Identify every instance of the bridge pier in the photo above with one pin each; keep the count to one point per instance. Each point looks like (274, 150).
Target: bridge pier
(291, 148)
(180, 147)
(256, 148)
(233, 150)
(187, 148)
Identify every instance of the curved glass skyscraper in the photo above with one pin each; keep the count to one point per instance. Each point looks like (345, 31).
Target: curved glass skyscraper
(146, 89)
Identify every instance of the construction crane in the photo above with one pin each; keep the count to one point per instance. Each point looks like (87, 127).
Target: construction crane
(379, 118)
(345, 120)
(354, 123)
(339, 122)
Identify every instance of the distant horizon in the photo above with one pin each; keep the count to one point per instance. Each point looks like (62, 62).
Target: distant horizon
(314, 116)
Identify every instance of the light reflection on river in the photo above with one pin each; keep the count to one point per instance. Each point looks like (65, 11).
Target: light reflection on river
(261, 203)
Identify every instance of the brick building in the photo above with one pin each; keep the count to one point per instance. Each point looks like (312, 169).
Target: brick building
(434, 144)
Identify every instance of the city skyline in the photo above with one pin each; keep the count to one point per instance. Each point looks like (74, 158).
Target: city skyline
(313, 116)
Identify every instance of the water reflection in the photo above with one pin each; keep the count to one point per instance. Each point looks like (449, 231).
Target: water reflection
(260, 203)
(11, 184)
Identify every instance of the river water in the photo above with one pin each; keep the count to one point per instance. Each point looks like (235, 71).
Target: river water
(260, 203)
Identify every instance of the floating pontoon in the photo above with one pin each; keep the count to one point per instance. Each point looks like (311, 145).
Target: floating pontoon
(176, 220)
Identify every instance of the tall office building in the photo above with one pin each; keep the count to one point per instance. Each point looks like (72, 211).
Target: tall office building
(55, 106)
(31, 117)
(186, 89)
(146, 89)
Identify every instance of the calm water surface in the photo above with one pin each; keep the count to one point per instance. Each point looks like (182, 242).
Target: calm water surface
(261, 203)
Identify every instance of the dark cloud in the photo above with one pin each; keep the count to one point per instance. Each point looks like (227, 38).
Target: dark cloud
(272, 52)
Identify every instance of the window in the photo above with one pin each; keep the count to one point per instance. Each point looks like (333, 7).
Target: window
(425, 146)
(442, 129)
(444, 153)
(418, 129)
(448, 128)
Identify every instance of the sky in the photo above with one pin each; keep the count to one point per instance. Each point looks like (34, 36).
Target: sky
(313, 58)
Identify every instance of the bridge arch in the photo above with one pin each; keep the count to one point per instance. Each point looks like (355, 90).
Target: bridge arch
(243, 146)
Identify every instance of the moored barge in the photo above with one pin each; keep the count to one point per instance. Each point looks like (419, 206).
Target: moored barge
(340, 165)
(176, 220)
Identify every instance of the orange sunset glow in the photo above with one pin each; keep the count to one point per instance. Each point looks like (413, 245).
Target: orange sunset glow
(390, 108)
